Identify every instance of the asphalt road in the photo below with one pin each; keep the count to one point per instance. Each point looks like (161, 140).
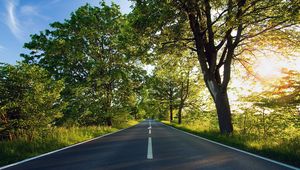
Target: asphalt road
(134, 148)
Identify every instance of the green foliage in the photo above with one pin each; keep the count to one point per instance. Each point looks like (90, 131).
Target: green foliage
(30, 100)
(217, 31)
(90, 52)
(266, 123)
(88, 70)
(51, 139)
(279, 145)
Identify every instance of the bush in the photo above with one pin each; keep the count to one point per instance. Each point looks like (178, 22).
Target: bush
(29, 101)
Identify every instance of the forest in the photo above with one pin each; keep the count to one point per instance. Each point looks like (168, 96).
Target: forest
(226, 70)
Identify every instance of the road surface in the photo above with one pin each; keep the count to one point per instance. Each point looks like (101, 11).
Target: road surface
(149, 145)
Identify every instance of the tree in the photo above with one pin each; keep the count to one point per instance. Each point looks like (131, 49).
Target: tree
(174, 81)
(218, 32)
(89, 52)
(29, 100)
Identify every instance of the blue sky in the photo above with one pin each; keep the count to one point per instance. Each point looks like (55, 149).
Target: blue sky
(20, 18)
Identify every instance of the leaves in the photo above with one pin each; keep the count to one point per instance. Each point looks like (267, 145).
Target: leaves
(30, 98)
(89, 52)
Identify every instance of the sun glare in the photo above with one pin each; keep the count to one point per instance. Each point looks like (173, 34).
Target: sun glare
(269, 68)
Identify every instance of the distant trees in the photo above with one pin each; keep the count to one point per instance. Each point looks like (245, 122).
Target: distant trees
(165, 90)
(29, 101)
(174, 83)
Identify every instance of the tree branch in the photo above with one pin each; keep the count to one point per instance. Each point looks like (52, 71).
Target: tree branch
(221, 61)
(265, 30)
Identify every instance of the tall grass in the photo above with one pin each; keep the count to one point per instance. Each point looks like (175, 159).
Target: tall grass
(52, 139)
(284, 149)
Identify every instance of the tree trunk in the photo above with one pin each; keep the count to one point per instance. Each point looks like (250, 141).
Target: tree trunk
(135, 116)
(171, 103)
(107, 107)
(109, 121)
(224, 113)
(183, 96)
(207, 53)
(171, 112)
(179, 112)
(179, 118)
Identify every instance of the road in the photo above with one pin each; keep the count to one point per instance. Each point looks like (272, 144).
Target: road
(149, 145)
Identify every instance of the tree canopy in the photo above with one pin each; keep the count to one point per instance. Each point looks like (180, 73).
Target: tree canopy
(217, 31)
(90, 69)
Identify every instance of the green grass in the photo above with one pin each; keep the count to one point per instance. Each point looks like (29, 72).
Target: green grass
(56, 138)
(287, 151)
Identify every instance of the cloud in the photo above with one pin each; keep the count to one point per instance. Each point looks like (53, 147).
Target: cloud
(1, 47)
(12, 21)
(54, 1)
(29, 10)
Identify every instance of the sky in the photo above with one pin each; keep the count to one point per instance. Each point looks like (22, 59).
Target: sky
(21, 18)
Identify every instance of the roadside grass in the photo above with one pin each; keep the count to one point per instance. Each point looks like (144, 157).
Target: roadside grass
(55, 138)
(283, 150)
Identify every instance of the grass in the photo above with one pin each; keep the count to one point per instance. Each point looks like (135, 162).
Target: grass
(287, 151)
(56, 138)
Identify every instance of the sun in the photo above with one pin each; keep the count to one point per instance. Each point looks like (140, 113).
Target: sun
(262, 73)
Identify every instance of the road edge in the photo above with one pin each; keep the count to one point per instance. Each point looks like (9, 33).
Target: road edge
(236, 149)
(61, 149)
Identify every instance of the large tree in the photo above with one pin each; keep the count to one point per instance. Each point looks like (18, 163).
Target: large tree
(89, 52)
(217, 31)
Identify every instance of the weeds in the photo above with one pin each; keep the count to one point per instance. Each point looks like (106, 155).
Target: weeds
(52, 139)
(281, 149)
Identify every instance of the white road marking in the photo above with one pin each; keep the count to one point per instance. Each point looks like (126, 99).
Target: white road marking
(45, 154)
(149, 128)
(149, 152)
(245, 152)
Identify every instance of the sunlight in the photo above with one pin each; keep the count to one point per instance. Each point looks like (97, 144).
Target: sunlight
(267, 71)
(269, 68)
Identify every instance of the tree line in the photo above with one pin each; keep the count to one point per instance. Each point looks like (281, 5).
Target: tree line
(90, 68)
